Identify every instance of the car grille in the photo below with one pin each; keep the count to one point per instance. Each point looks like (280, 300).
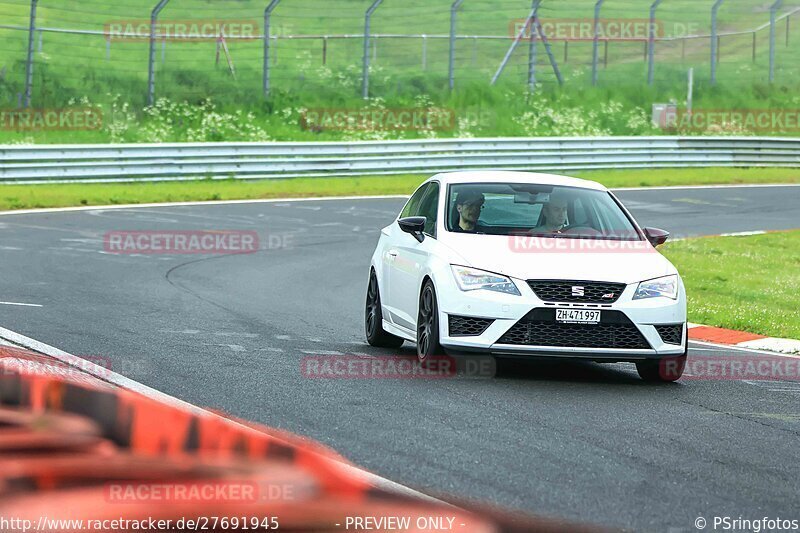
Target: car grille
(671, 333)
(467, 326)
(539, 328)
(561, 291)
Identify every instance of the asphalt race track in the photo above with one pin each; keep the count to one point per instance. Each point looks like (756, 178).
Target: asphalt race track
(576, 440)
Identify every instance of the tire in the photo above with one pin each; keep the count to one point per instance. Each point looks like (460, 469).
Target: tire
(664, 370)
(428, 325)
(373, 318)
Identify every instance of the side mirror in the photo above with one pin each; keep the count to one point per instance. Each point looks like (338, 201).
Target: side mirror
(656, 236)
(414, 225)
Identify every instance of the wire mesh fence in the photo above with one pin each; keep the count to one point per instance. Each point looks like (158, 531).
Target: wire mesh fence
(87, 49)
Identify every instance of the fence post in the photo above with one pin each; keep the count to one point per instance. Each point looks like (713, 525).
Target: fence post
(651, 56)
(151, 67)
(365, 74)
(424, 52)
(550, 56)
(532, 47)
(714, 41)
(528, 25)
(452, 65)
(267, 35)
(29, 65)
(596, 39)
(772, 30)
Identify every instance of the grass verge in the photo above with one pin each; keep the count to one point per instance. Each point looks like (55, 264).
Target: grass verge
(67, 195)
(742, 283)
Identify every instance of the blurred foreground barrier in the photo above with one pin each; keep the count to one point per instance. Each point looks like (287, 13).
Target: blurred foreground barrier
(164, 162)
(74, 449)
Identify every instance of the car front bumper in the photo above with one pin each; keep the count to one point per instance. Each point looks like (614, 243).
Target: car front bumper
(506, 311)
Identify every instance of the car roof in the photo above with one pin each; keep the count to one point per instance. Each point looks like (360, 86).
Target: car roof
(507, 176)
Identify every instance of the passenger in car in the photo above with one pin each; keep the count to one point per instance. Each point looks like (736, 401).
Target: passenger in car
(469, 204)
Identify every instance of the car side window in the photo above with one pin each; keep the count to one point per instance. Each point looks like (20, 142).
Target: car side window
(429, 208)
(412, 206)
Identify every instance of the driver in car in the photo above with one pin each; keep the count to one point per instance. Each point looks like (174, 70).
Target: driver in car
(554, 215)
(469, 204)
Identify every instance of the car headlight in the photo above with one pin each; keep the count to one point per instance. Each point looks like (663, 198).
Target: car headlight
(666, 286)
(472, 279)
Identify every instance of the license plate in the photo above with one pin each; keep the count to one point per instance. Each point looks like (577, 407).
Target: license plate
(577, 316)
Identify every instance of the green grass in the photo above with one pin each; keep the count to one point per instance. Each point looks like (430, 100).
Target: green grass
(65, 195)
(691, 176)
(73, 68)
(742, 283)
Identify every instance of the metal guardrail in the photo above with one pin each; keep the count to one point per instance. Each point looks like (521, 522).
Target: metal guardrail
(166, 162)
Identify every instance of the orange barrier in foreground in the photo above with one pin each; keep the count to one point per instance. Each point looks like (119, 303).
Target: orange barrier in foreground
(74, 447)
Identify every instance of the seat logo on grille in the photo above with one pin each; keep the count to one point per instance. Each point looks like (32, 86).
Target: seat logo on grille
(578, 291)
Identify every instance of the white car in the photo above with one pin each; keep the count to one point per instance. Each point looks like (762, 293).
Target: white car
(522, 264)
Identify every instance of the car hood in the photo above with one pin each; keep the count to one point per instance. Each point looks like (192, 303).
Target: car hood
(538, 258)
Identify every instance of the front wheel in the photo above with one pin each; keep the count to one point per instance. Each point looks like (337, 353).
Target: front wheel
(664, 370)
(428, 324)
(373, 318)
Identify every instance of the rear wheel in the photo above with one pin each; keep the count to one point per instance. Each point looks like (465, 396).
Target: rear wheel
(664, 370)
(373, 318)
(428, 324)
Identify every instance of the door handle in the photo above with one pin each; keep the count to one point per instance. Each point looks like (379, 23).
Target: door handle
(392, 253)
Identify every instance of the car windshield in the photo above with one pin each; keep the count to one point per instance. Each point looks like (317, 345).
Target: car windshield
(537, 210)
